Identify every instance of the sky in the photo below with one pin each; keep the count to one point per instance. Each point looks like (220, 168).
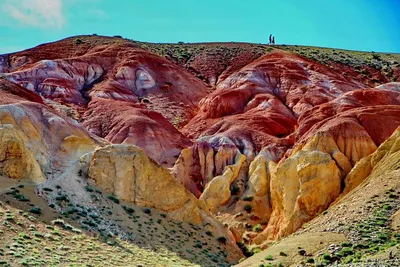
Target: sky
(365, 25)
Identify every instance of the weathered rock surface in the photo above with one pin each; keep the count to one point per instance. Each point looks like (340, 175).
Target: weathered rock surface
(37, 143)
(385, 159)
(302, 187)
(16, 161)
(128, 123)
(90, 77)
(127, 172)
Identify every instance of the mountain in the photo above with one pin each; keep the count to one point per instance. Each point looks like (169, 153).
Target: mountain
(198, 154)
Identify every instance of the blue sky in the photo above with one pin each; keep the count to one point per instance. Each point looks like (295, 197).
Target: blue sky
(368, 25)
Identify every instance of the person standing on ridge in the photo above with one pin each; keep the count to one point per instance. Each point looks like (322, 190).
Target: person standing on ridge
(273, 40)
(270, 39)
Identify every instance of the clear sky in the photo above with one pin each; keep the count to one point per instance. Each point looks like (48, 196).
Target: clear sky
(368, 25)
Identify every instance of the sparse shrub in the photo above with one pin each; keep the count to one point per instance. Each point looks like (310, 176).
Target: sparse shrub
(35, 210)
(114, 199)
(376, 56)
(327, 257)
(257, 228)
(147, 211)
(248, 198)
(269, 258)
(345, 244)
(302, 252)
(248, 208)
(88, 188)
(21, 197)
(222, 239)
(346, 251)
(209, 233)
(234, 190)
(198, 245)
(128, 209)
(283, 254)
(90, 223)
(256, 250)
(78, 41)
(62, 198)
(310, 260)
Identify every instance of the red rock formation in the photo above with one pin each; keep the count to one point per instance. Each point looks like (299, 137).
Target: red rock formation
(38, 141)
(113, 78)
(271, 126)
(129, 123)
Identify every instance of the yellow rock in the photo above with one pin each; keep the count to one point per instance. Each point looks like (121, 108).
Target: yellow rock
(127, 172)
(217, 191)
(16, 161)
(302, 186)
(200, 163)
(260, 171)
(384, 159)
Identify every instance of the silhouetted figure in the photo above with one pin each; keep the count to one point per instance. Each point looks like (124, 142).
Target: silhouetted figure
(270, 39)
(273, 40)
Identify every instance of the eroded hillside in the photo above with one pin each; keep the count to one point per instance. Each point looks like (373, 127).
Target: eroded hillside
(242, 142)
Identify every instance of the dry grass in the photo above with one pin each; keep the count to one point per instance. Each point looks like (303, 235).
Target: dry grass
(109, 232)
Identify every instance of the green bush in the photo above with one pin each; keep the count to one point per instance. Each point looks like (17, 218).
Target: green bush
(248, 208)
(310, 260)
(327, 257)
(114, 199)
(235, 190)
(62, 198)
(248, 198)
(222, 239)
(269, 258)
(147, 211)
(88, 188)
(35, 210)
(257, 228)
(21, 197)
(128, 209)
(376, 56)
